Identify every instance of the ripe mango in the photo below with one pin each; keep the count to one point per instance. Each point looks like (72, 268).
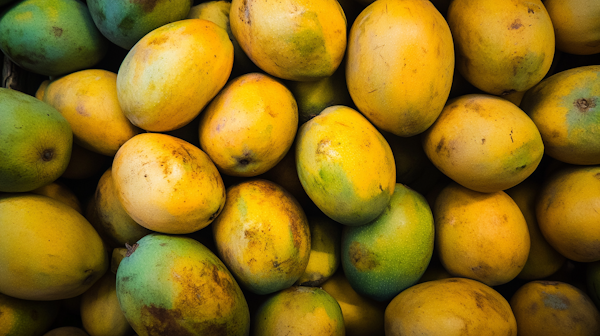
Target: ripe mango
(26, 317)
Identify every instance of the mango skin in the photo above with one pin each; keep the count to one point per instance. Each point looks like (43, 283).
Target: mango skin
(126, 22)
(565, 107)
(484, 143)
(345, 165)
(28, 162)
(41, 244)
(567, 215)
(453, 306)
(400, 65)
(173, 285)
(262, 235)
(553, 308)
(51, 37)
(172, 73)
(389, 254)
(325, 241)
(576, 25)
(299, 310)
(512, 52)
(26, 317)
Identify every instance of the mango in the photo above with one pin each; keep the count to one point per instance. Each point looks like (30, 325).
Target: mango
(592, 281)
(124, 23)
(173, 285)
(553, 308)
(400, 64)
(262, 235)
(51, 37)
(389, 254)
(48, 251)
(66, 331)
(453, 306)
(345, 165)
(565, 107)
(170, 75)
(576, 25)
(299, 310)
(26, 317)
(324, 260)
(35, 142)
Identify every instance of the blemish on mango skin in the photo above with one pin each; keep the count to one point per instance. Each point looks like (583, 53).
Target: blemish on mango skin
(361, 257)
(584, 105)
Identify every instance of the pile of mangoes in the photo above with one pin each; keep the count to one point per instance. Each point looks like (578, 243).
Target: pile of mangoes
(315, 167)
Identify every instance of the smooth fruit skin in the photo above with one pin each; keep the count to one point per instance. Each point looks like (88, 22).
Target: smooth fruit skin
(566, 109)
(124, 23)
(325, 239)
(26, 317)
(484, 143)
(173, 285)
(345, 165)
(576, 25)
(454, 306)
(249, 126)
(151, 165)
(51, 37)
(389, 254)
(262, 235)
(35, 142)
(400, 64)
(481, 236)
(291, 39)
(567, 213)
(48, 251)
(299, 310)
(511, 52)
(170, 75)
(553, 308)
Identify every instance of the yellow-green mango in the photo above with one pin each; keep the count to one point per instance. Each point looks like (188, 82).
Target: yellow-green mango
(345, 165)
(262, 235)
(174, 285)
(20, 317)
(48, 251)
(299, 310)
(384, 257)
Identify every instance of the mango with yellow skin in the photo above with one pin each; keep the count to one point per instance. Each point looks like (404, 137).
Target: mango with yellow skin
(174, 285)
(170, 75)
(325, 240)
(100, 312)
(400, 65)
(345, 165)
(262, 235)
(48, 251)
(565, 108)
(576, 25)
(299, 310)
(26, 317)
(295, 40)
(88, 100)
(249, 126)
(502, 46)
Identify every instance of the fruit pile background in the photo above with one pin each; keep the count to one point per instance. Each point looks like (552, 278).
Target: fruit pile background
(319, 167)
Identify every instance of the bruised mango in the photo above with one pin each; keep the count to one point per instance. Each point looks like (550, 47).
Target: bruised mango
(174, 285)
(262, 235)
(345, 165)
(170, 75)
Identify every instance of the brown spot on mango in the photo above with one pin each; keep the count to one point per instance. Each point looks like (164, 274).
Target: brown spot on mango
(362, 258)
(516, 24)
(146, 5)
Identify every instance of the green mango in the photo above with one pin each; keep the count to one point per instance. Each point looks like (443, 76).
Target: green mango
(126, 22)
(35, 142)
(174, 285)
(51, 37)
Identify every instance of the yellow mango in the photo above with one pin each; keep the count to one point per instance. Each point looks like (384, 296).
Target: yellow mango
(61, 192)
(20, 317)
(249, 126)
(345, 165)
(400, 62)
(48, 251)
(325, 238)
(481, 236)
(576, 25)
(263, 237)
(484, 143)
(167, 184)
(453, 306)
(170, 75)
(502, 46)
(553, 308)
(101, 314)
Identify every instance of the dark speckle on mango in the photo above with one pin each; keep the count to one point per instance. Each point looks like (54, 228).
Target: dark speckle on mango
(362, 258)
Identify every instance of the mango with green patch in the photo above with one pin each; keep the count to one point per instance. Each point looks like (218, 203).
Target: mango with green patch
(299, 310)
(566, 109)
(345, 165)
(173, 285)
(262, 235)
